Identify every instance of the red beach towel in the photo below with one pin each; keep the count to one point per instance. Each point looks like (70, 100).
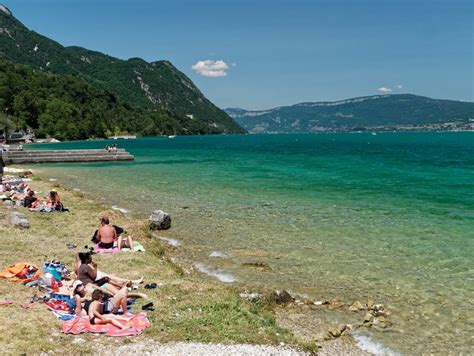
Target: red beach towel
(81, 324)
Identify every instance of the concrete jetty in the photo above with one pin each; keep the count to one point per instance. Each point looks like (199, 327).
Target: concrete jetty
(51, 156)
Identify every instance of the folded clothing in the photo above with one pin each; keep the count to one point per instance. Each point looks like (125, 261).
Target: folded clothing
(23, 272)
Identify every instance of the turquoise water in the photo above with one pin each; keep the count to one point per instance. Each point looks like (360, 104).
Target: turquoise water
(387, 217)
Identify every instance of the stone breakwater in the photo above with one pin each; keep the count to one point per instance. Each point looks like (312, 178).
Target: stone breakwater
(56, 156)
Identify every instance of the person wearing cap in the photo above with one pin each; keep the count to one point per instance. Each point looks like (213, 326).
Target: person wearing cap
(79, 295)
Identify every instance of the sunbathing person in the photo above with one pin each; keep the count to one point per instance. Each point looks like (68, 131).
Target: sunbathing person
(78, 293)
(53, 201)
(30, 201)
(21, 188)
(80, 296)
(107, 235)
(19, 191)
(98, 312)
(101, 277)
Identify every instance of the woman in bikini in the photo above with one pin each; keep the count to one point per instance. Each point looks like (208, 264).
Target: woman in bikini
(100, 278)
(53, 200)
(98, 315)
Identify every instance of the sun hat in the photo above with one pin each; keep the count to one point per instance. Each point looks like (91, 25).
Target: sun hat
(76, 284)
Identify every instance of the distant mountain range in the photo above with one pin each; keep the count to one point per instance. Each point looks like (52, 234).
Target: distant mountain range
(154, 87)
(377, 112)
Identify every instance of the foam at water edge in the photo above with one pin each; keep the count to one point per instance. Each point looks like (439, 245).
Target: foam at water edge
(366, 343)
(122, 210)
(217, 254)
(172, 242)
(220, 275)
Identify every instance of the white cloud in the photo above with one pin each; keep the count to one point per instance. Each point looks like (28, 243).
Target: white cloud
(384, 89)
(211, 68)
(399, 86)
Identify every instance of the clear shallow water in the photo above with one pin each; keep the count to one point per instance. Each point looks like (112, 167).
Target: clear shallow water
(352, 216)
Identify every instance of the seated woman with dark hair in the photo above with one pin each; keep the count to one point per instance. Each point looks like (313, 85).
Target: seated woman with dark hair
(87, 272)
(30, 201)
(53, 201)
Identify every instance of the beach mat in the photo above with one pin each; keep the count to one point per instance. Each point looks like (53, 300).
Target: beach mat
(81, 324)
(98, 249)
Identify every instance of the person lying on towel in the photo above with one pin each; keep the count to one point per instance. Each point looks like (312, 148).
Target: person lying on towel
(98, 311)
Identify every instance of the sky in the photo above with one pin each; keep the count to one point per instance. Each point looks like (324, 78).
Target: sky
(261, 54)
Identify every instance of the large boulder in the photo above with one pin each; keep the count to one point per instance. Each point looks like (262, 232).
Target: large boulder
(159, 220)
(18, 220)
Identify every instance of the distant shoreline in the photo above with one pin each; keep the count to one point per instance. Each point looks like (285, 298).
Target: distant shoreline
(368, 131)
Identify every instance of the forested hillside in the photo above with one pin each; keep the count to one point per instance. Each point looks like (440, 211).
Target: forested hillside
(68, 108)
(156, 97)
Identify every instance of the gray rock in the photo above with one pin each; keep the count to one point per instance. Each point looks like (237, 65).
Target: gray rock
(281, 297)
(252, 296)
(356, 306)
(18, 220)
(337, 331)
(159, 220)
(368, 317)
(8, 203)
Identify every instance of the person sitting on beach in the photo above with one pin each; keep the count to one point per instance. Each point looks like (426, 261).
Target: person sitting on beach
(30, 201)
(107, 235)
(81, 298)
(101, 277)
(87, 273)
(53, 201)
(99, 313)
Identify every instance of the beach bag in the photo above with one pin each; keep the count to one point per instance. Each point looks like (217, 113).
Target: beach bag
(47, 283)
(60, 207)
(56, 268)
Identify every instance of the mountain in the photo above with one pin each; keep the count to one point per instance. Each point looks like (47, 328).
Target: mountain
(156, 86)
(377, 112)
(68, 108)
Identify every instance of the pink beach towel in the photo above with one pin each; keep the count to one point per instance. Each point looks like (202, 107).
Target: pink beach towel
(81, 324)
(98, 249)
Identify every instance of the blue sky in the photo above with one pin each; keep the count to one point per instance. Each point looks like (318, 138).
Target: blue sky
(277, 52)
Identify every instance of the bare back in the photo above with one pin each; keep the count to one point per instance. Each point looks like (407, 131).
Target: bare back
(107, 234)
